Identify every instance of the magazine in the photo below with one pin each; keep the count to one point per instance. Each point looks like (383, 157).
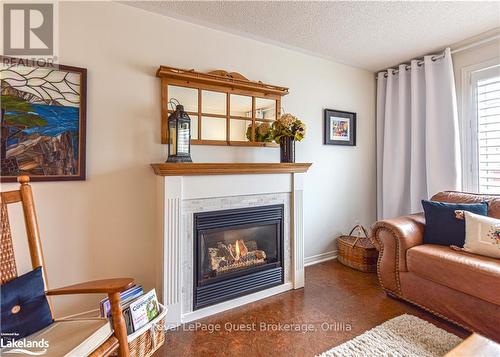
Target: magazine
(144, 309)
(125, 296)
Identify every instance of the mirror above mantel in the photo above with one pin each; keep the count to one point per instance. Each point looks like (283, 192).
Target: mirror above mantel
(225, 108)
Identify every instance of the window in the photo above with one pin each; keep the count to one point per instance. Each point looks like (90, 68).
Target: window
(481, 126)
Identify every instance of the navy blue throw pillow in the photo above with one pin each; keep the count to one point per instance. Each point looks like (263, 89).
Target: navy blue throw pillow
(441, 225)
(25, 308)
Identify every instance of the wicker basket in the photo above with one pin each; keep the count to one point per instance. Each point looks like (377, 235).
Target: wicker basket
(357, 252)
(145, 341)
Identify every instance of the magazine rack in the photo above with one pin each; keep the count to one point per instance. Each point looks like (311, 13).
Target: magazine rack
(145, 341)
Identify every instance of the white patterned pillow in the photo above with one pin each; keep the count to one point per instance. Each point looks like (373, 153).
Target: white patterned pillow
(482, 235)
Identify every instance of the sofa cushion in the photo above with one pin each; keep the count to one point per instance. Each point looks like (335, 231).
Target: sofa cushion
(469, 273)
(482, 235)
(442, 226)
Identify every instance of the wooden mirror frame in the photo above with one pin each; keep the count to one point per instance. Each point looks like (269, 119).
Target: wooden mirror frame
(217, 81)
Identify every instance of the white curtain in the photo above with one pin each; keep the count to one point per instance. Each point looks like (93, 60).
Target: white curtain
(418, 146)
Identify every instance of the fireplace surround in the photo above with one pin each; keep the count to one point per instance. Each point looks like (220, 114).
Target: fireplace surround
(186, 190)
(237, 252)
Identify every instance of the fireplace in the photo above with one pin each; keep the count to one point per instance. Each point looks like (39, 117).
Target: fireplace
(237, 252)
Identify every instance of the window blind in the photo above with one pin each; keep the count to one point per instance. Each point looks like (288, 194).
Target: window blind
(488, 134)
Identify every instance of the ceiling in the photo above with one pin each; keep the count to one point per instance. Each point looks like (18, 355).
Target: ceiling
(370, 35)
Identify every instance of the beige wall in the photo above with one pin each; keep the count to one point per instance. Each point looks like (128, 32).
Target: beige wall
(106, 226)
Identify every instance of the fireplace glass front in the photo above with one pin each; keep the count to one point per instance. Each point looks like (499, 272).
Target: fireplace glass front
(237, 252)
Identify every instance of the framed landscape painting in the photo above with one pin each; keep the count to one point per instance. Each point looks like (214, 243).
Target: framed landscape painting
(43, 121)
(340, 128)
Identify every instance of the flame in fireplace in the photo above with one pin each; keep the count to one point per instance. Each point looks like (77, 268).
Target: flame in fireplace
(237, 249)
(236, 255)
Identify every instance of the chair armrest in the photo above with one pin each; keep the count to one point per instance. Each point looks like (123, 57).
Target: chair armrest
(112, 287)
(393, 237)
(105, 286)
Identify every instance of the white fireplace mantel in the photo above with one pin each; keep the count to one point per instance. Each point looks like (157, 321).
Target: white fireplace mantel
(184, 188)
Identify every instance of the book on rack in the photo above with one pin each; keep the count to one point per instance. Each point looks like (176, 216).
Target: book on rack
(125, 297)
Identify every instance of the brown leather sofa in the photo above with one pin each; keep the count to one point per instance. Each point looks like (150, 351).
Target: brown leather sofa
(460, 287)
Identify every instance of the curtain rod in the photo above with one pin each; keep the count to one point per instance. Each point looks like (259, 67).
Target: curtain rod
(459, 49)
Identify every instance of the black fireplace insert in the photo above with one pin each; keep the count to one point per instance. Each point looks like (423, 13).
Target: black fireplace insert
(237, 252)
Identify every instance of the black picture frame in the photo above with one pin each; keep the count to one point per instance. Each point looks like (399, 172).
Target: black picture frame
(347, 136)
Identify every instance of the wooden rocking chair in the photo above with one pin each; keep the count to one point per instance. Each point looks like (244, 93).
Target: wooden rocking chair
(111, 287)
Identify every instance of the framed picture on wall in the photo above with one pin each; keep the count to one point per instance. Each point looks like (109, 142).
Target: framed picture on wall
(339, 128)
(43, 120)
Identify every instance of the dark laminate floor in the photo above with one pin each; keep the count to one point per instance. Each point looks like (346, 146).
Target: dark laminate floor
(334, 295)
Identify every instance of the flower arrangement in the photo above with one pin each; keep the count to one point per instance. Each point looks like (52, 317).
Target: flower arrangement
(288, 126)
(285, 126)
(263, 132)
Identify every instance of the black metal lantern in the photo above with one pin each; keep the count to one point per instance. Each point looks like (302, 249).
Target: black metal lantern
(179, 136)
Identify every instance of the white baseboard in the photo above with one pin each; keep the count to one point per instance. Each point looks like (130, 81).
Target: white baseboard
(320, 258)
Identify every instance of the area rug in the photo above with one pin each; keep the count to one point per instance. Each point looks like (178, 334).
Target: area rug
(405, 335)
